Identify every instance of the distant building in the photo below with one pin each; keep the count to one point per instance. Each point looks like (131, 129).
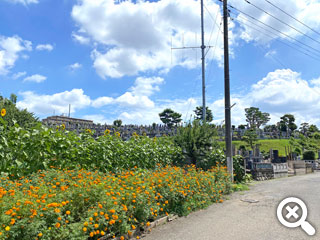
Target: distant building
(70, 123)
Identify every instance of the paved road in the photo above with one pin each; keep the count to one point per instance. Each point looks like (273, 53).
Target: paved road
(238, 220)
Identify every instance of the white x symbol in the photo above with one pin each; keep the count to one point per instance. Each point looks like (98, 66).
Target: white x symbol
(292, 212)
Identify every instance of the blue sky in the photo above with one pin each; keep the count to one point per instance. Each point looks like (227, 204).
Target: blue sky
(113, 60)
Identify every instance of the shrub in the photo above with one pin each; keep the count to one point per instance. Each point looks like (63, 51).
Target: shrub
(238, 168)
(24, 151)
(80, 204)
(309, 155)
(196, 142)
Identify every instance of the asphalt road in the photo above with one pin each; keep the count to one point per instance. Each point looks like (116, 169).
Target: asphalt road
(238, 220)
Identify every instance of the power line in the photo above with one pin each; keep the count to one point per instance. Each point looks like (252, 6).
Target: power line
(214, 49)
(273, 28)
(281, 21)
(292, 17)
(272, 37)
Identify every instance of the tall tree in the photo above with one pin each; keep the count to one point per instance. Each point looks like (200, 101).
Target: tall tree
(250, 137)
(13, 98)
(170, 117)
(287, 122)
(13, 114)
(304, 127)
(198, 114)
(256, 118)
(117, 123)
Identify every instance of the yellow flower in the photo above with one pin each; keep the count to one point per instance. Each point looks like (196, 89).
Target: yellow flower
(88, 131)
(3, 112)
(107, 132)
(63, 126)
(96, 225)
(40, 235)
(7, 228)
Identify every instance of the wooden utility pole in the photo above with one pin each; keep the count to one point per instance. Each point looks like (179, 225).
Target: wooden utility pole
(228, 137)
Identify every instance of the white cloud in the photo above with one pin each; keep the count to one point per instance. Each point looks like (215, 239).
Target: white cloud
(137, 97)
(42, 47)
(98, 118)
(35, 78)
(270, 53)
(280, 92)
(75, 66)
(10, 47)
(316, 82)
(138, 36)
(18, 75)
(24, 2)
(42, 104)
(305, 11)
(81, 39)
(102, 101)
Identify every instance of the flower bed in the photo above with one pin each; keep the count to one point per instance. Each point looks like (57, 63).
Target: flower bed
(79, 204)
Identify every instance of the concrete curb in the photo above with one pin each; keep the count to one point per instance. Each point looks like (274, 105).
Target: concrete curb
(135, 233)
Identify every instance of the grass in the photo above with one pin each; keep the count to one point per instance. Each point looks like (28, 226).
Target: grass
(265, 145)
(240, 187)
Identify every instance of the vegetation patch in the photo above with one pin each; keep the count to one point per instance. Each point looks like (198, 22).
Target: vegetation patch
(81, 204)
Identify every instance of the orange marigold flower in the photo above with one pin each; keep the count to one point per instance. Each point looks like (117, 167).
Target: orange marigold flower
(40, 235)
(57, 225)
(84, 229)
(68, 212)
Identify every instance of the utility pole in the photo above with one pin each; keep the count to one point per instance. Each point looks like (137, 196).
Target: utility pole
(203, 47)
(203, 68)
(228, 137)
(69, 110)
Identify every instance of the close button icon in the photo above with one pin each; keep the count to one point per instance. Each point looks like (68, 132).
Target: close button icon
(292, 213)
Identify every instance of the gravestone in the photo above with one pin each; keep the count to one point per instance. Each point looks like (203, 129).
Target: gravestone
(275, 156)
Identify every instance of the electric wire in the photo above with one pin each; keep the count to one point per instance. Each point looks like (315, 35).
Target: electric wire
(272, 28)
(281, 21)
(293, 17)
(272, 37)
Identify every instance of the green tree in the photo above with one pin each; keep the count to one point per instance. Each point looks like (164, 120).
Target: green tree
(170, 117)
(117, 123)
(250, 137)
(242, 126)
(256, 118)
(287, 122)
(304, 127)
(198, 114)
(13, 114)
(196, 140)
(13, 98)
